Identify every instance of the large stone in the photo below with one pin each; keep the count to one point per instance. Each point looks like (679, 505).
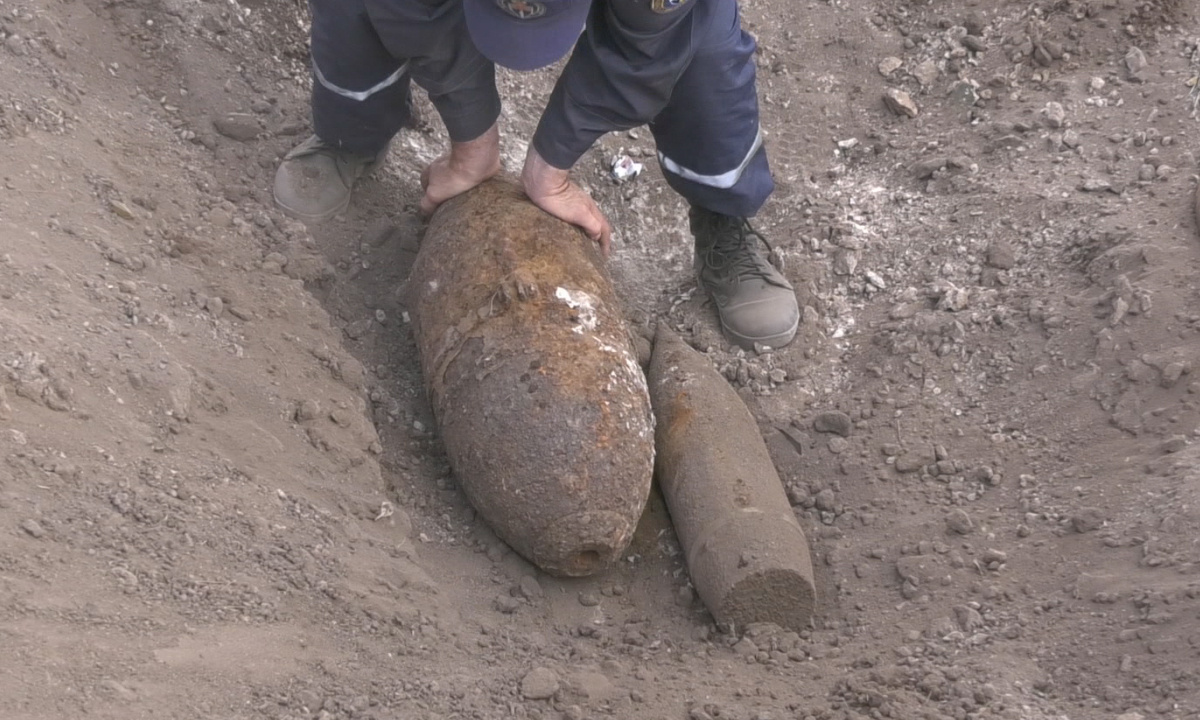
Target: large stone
(539, 683)
(901, 103)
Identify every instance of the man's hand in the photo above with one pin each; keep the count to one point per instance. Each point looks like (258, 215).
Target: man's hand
(551, 189)
(466, 165)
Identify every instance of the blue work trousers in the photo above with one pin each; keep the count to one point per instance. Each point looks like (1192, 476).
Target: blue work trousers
(704, 119)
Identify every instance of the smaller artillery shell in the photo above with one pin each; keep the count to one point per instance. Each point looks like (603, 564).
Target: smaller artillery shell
(746, 552)
(533, 379)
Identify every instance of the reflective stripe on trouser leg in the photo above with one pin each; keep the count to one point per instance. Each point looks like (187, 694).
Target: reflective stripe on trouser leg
(709, 141)
(360, 95)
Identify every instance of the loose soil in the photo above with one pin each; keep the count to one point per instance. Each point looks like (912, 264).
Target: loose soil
(221, 494)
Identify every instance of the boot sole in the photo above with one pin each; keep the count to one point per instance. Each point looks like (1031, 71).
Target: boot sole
(775, 342)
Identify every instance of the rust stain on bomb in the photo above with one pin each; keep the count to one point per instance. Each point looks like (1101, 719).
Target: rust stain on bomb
(533, 378)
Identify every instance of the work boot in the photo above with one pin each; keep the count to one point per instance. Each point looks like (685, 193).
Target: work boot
(756, 303)
(314, 180)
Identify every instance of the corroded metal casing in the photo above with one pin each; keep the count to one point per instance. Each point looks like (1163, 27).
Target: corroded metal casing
(746, 553)
(534, 381)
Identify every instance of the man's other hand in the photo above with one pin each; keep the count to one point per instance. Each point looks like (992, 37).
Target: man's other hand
(466, 165)
(551, 189)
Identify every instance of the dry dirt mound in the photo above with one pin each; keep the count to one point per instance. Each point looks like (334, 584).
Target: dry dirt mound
(220, 495)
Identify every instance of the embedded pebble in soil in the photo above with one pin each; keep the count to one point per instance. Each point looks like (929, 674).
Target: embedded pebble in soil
(539, 684)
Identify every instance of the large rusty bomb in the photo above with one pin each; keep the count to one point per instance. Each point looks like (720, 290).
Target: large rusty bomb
(534, 381)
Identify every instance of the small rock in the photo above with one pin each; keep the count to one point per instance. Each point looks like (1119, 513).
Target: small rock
(575, 712)
(798, 496)
(833, 421)
(15, 45)
(992, 555)
(974, 43)
(238, 126)
(1129, 715)
(497, 551)
(965, 93)
(952, 298)
(119, 690)
(1095, 185)
(968, 618)
(122, 210)
(539, 684)
(838, 445)
(975, 23)
(984, 474)
(900, 103)
(926, 73)
(506, 605)
(941, 627)
(889, 65)
(594, 687)
(215, 306)
(1004, 142)
(241, 313)
(1042, 56)
(125, 578)
(530, 589)
(1000, 255)
(826, 500)
(1135, 60)
(1087, 520)
(908, 463)
(959, 522)
(309, 700)
(1056, 114)
(34, 528)
(926, 168)
(745, 647)
(307, 410)
(845, 262)
(920, 569)
(589, 599)
(1173, 444)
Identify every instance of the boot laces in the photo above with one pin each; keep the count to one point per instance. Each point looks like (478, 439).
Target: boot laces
(732, 252)
(312, 146)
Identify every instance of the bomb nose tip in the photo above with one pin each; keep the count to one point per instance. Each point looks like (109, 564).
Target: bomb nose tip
(583, 543)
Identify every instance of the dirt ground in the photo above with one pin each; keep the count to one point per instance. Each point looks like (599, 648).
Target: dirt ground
(221, 495)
